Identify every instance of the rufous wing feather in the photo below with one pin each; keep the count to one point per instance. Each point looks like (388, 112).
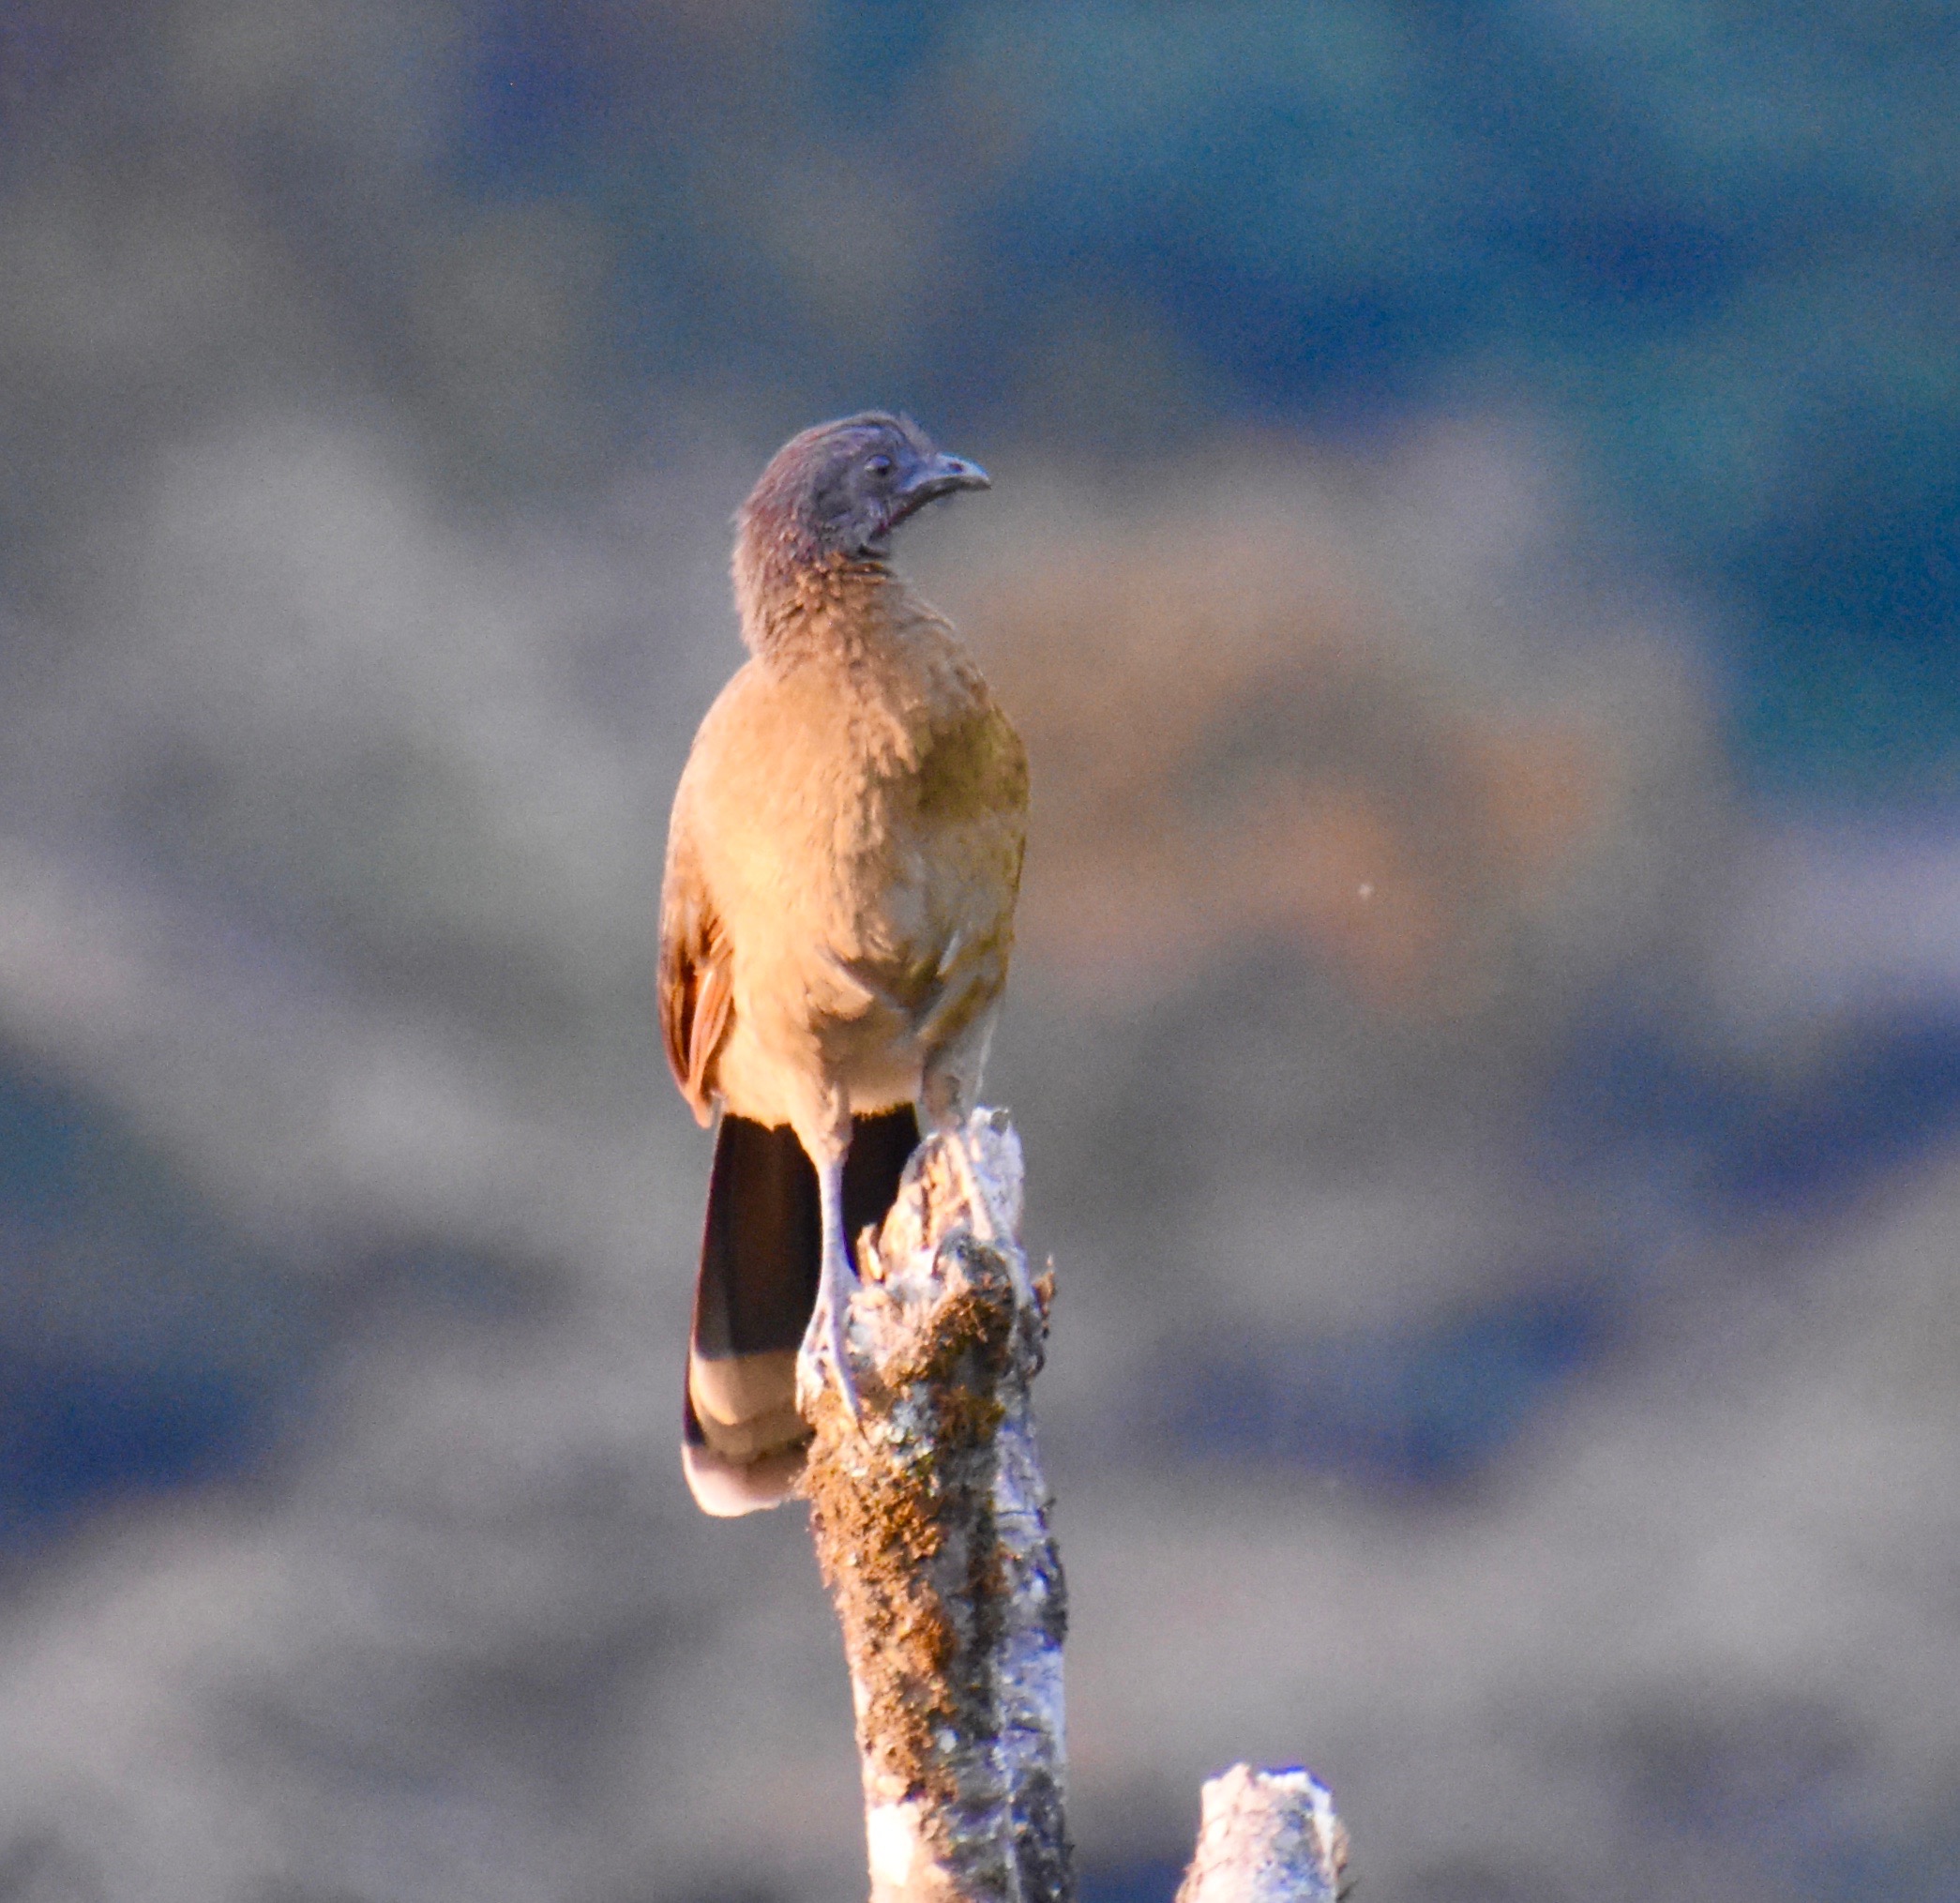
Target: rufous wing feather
(695, 981)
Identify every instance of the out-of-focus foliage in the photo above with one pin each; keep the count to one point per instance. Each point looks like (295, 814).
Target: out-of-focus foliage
(1714, 241)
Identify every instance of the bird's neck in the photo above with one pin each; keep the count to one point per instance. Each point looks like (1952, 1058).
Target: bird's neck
(795, 608)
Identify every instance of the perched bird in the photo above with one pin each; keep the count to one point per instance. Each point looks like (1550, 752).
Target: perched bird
(836, 924)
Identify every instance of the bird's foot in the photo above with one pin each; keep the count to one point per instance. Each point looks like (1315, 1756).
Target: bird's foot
(825, 1354)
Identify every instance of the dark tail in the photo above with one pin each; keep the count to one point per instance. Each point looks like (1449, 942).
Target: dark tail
(741, 1438)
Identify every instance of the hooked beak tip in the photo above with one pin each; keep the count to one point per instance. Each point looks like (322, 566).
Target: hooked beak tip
(942, 476)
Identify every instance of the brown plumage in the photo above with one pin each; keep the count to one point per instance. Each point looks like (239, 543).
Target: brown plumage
(836, 924)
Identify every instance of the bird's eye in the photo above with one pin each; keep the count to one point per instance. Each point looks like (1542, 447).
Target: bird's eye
(880, 465)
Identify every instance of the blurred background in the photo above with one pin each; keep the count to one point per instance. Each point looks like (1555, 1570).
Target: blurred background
(1475, 554)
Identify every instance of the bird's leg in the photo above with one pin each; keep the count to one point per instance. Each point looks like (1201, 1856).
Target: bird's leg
(824, 1341)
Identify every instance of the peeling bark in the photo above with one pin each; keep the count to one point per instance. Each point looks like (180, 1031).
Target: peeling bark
(931, 1523)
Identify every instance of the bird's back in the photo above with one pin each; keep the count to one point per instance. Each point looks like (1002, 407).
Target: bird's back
(851, 817)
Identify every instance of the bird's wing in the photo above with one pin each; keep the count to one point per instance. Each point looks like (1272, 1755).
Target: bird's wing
(696, 979)
(975, 799)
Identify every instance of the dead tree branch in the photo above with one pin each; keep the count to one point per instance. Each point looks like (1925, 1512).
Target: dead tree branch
(1267, 1837)
(932, 1522)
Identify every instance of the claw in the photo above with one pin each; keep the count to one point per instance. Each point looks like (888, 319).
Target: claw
(823, 1357)
(823, 1349)
(841, 1361)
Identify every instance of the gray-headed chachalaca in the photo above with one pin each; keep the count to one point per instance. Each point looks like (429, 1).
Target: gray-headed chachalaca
(838, 911)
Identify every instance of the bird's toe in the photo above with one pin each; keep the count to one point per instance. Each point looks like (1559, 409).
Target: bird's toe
(825, 1358)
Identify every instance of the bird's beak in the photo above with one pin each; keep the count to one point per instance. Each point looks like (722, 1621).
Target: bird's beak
(939, 474)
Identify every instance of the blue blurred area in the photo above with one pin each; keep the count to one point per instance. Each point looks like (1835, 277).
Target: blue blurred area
(1424, 1406)
(142, 1346)
(1154, 1881)
(1633, 1099)
(1431, 1404)
(73, 1437)
(1852, 1868)
(538, 87)
(1713, 241)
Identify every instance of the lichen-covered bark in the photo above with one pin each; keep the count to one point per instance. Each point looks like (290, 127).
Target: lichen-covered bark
(931, 1523)
(1267, 1837)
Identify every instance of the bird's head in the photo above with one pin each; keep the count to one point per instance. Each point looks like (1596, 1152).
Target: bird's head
(836, 492)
